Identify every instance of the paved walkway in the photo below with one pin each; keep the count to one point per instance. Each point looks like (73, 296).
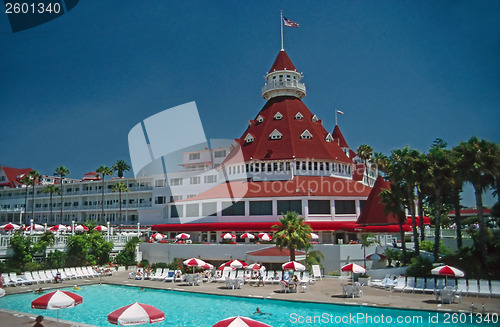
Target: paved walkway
(328, 290)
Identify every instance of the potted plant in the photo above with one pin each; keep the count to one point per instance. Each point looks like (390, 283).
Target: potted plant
(364, 279)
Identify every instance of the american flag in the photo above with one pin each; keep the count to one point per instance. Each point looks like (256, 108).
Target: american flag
(289, 23)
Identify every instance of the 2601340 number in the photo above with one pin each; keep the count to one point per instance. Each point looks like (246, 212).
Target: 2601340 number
(470, 318)
(32, 8)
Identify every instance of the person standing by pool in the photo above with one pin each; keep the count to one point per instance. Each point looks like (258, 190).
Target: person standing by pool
(38, 321)
(262, 271)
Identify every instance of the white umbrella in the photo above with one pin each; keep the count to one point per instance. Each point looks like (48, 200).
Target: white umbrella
(293, 265)
(447, 271)
(247, 235)
(57, 300)
(36, 227)
(158, 236)
(228, 236)
(265, 237)
(254, 266)
(235, 264)
(354, 269)
(182, 236)
(314, 236)
(101, 228)
(194, 262)
(10, 227)
(58, 228)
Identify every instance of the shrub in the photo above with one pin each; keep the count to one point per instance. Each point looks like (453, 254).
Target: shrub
(419, 267)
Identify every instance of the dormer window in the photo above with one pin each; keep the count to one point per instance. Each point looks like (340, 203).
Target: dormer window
(249, 138)
(329, 138)
(314, 118)
(306, 135)
(250, 123)
(260, 119)
(275, 135)
(278, 116)
(299, 116)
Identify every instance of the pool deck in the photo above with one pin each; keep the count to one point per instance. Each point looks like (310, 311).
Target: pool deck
(328, 290)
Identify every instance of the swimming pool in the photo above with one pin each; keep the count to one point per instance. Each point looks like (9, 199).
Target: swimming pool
(191, 309)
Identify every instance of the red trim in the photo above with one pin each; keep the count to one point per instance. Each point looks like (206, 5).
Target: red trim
(282, 62)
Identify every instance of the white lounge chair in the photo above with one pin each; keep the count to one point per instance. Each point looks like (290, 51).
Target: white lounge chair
(430, 285)
(484, 287)
(462, 286)
(178, 279)
(7, 280)
(419, 285)
(495, 287)
(156, 274)
(44, 277)
(29, 279)
(410, 284)
(381, 283)
(70, 274)
(440, 283)
(451, 282)
(170, 277)
(400, 284)
(278, 277)
(472, 287)
(16, 279)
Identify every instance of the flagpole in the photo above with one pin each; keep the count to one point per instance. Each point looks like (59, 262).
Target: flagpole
(335, 116)
(281, 14)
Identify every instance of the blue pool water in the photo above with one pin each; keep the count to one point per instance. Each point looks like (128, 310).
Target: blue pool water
(190, 309)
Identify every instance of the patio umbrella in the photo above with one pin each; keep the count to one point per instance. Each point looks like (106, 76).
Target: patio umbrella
(354, 269)
(240, 322)
(101, 228)
(293, 265)
(58, 228)
(36, 227)
(447, 271)
(57, 300)
(265, 237)
(81, 228)
(253, 266)
(314, 236)
(247, 235)
(207, 266)
(182, 236)
(194, 262)
(375, 257)
(228, 236)
(158, 236)
(10, 227)
(235, 264)
(136, 314)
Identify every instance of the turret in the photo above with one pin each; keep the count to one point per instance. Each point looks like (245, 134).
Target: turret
(283, 79)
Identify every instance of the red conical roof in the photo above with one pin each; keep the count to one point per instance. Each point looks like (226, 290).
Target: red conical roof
(280, 114)
(14, 175)
(338, 138)
(282, 62)
(373, 212)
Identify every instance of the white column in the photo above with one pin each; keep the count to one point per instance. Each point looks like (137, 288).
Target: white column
(31, 226)
(72, 228)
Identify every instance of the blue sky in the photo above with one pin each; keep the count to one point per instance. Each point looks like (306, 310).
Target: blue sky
(403, 72)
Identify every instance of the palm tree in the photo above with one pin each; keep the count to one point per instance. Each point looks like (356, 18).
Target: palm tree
(477, 161)
(422, 188)
(62, 172)
(292, 233)
(120, 187)
(120, 166)
(51, 189)
(365, 152)
(382, 162)
(366, 241)
(104, 171)
(35, 178)
(27, 181)
(457, 180)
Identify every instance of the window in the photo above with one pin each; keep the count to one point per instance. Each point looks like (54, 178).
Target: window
(192, 210)
(319, 207)
(344, 207)
(230, 209)
(306, 135)
(249, 138)
(194, 156)
(210, 179)
(260, 119)
(275, 135)
(278, 116)
(328, 138)
(314, 118)
(160, 183)
(175, 211)
(289, 205)
(220, 154)
(175, 198)
(362, 204)
(160, 199)
(299, 116)
(175, 181)
(209, 209)
(195, 180)
(261, 208)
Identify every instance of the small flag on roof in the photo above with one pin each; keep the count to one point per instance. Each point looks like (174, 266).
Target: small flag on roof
(289, 23)
(340, 112)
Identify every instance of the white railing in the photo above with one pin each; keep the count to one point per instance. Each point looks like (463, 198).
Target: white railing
(284, 85)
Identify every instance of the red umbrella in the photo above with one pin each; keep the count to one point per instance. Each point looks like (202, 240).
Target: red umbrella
(207, 266)
(235, 264)
(158, 236)
(253, 266)
(10, 227)
(81, 228)
(240, 321)
(58, 228)
(182, 236)
(354, 268)
(101, 228)
(194, 262)
(136, 314)
(247, 235)
(447, 271)
(293, 265)
(57, 300)
(36, 227)
(265, 237)
(228, 236)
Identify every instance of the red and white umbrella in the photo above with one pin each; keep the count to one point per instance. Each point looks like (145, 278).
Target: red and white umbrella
(36, 228)
(228, 236)
(314, 236)
(235, 264)
(58, 228)
(194, 262)
(57, 300)
(182, 236)
(10, 227)
(158, 236)
(81, 228)
(253, 266)
(293, 265)
(375, 257)
(447, 271)
(207, 266)
(247, 235)
(352, 267)
(265, 237)
(101, 228)
(136, 314)
(240, 322)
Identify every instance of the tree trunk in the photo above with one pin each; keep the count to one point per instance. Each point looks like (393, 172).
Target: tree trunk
(402, 220)
(420, 197)
(414, 227)
(437, 227)
(62, 203)
(482, 228)
(26, 204)
(33, 203)
(120, 218)
(102, 201)
(458, 222)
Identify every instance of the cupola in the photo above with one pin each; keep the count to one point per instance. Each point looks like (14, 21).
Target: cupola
(283, 79)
